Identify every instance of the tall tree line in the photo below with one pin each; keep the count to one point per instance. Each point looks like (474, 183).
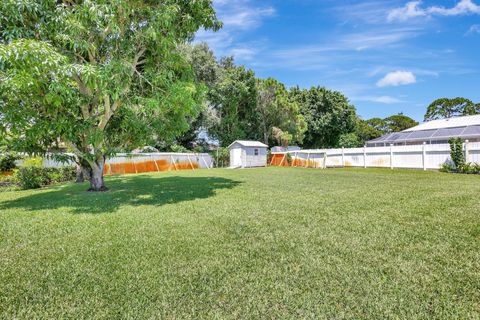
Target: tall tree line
(238, 105)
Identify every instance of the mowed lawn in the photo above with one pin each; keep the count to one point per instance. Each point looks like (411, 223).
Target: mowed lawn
(257, 243)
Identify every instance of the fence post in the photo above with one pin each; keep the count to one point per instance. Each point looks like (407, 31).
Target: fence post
(391, 156)
(174, 164)
(204, 162)
(424, 156)
(343, 157)
(154, 161)
(467, 153)
(325, 160)
(365, 156)
(190, 161)
(308, 160)
(281, 162)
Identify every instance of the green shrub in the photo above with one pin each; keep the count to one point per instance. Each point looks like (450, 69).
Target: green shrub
(221, 156)
(33, 162)
(470, 168)
(7, 161)
(447, 167)
(33, 177)
(456, 152)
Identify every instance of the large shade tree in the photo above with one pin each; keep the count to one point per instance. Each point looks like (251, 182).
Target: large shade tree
(279, 115)
(207, 72)
(98, 76)
(328, 114)
(232, 100)
(446, 108)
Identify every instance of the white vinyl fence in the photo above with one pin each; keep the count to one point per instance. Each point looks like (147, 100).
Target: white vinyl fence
(426, 156)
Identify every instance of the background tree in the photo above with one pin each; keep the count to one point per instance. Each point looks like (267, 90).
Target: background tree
(232, 101)
(328, 115)
(276, 110)
(207, 72)
(98, 76)
(399, 122)
(446, 108)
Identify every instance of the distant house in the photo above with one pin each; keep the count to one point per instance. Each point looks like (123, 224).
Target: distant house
(433, 132)
(246, 154)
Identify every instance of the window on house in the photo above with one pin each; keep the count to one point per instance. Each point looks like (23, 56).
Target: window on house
(255, 152)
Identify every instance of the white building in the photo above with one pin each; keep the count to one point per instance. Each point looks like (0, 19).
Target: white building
(246, 154)
(433, 132)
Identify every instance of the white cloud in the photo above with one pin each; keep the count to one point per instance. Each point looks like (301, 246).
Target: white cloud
(397, 78)
(243, 53)
(474, 29)
(239, 17)
(413, 9)
(410, 10)
(379, 99)
(246, 18)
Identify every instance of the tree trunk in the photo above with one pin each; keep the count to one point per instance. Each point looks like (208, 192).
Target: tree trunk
(80, 177)
(83, 171)
(96, 176)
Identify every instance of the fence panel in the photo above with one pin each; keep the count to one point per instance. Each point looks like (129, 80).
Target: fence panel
(412, 156)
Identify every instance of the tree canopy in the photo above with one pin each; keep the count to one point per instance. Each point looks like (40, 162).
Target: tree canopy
(446, 108)
(278, 114)
(328, 115)
(97, 75)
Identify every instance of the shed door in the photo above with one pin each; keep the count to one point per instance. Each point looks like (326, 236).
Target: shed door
(236, 157)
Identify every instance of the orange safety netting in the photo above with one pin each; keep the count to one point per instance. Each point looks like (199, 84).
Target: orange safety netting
(282, 160)
(148, 166)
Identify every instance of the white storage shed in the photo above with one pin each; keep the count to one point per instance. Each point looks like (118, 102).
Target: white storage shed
(246, 154)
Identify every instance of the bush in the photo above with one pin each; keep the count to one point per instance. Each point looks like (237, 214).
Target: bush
(221, 157)
(33, 162)
(447, 167)
(7, 161)
(456, 152)
(33, 177)
(469, 168)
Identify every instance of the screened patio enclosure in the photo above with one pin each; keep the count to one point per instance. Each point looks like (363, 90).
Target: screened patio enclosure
(433, 132)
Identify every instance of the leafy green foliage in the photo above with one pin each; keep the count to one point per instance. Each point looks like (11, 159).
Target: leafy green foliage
(221, 157)
(7, 161)
(33, 177)
(377, 127)
(328, 115)
(456, 152)
(399, 122)
(233, 104)
(348, 140)
(99, 76)
(447, 108)
(278, 112)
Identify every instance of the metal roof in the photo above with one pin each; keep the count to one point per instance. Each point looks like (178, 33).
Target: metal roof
(448, 123)
(463, 127)
(247, 143)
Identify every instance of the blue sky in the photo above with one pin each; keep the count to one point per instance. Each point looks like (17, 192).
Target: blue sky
(385, 56)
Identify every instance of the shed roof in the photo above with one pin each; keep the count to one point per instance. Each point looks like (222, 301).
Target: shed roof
(247, 143)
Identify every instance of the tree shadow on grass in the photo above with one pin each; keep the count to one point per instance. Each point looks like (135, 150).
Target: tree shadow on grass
(125, 190)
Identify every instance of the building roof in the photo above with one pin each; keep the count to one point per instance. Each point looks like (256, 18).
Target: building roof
(463, 127)
(447, 123)
(247, 143)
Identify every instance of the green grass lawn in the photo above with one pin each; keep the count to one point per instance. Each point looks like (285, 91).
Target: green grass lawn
(259, 243)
